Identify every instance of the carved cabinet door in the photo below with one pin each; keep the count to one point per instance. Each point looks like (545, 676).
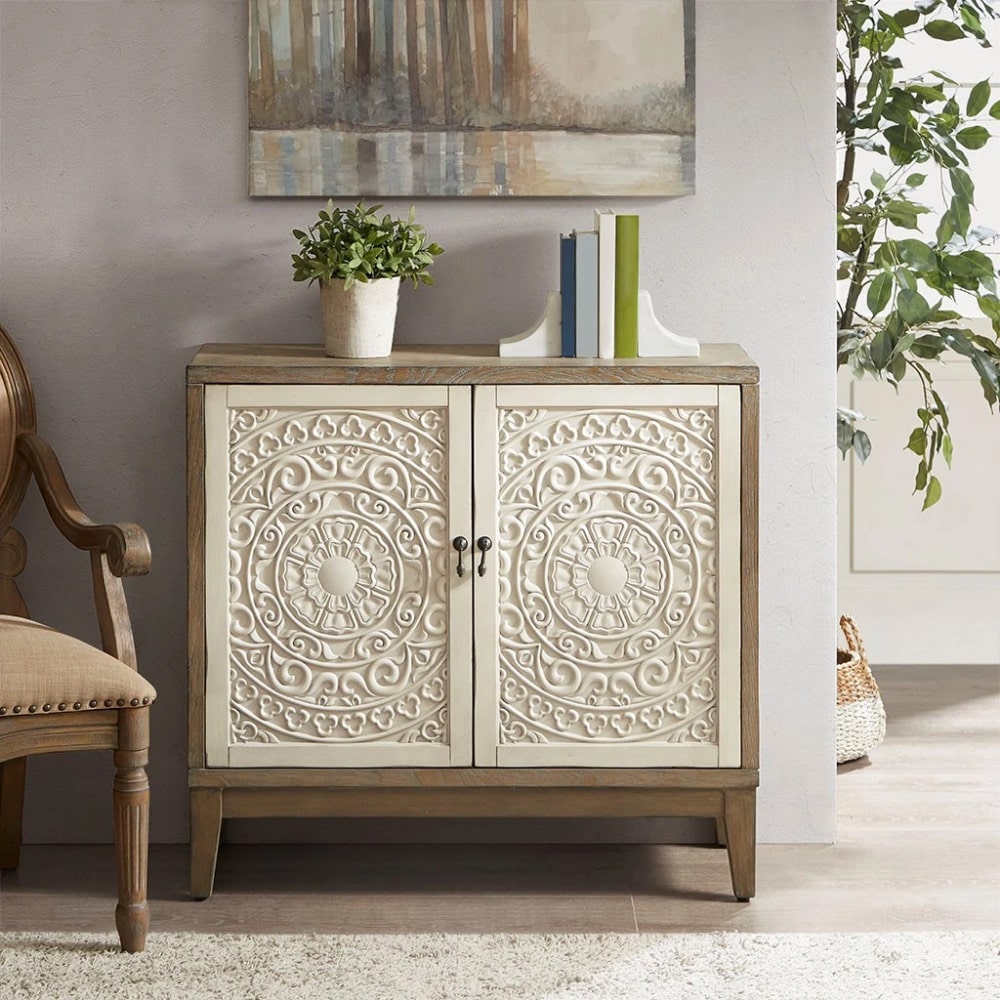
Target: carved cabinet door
(338, 631)
(608, 622)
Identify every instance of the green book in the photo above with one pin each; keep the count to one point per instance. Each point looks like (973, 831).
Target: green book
(626, 286)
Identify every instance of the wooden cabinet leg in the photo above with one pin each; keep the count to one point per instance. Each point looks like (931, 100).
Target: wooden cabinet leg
(206, 825)
(11, 811)
(741, 834)
(720, 831)
(131, 808)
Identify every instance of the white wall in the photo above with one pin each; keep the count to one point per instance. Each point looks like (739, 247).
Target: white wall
(128, 239)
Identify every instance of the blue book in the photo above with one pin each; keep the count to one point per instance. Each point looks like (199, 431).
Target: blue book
(567, 290)
(586, 294)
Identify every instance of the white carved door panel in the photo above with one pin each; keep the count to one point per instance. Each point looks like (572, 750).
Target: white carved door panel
(608, 621)
(338, 632)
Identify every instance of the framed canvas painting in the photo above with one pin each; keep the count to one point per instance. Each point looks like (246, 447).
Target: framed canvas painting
(493, 98)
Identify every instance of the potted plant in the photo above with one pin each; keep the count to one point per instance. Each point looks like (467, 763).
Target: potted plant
(358, 260)
(906, 272)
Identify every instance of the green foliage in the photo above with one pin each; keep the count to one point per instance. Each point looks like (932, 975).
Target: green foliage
(356, 245)
(898, 309)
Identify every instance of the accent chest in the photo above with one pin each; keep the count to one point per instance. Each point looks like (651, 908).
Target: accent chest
(449, 584)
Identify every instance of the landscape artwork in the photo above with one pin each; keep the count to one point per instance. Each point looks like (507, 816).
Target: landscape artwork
(477, 98)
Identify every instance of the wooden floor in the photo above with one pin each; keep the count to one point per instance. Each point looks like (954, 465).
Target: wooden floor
(918, 849)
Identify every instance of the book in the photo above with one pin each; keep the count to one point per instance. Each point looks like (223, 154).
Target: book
(626, 286)
(586, 294)
(567, 291)
(604, 223)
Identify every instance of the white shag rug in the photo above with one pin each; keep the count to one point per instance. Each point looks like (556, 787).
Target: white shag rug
(717, 966)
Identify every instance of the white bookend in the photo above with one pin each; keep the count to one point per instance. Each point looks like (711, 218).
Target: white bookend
(543, 339)
(604, 223)
(656, 341)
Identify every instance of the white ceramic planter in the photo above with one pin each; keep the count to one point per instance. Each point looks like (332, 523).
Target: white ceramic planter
(359, 322)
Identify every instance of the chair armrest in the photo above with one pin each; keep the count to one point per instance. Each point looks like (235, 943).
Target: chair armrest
(125, 545)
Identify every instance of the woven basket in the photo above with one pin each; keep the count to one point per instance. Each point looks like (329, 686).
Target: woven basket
(860, 712)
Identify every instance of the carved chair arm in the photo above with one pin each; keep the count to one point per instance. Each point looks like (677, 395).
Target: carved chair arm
(125, 545)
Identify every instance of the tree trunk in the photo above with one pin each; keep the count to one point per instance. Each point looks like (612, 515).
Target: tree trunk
(300, 66)
(463, 37)
(434, 93)
(689, 37)
(446, 61)
(266, 56)
(481, 51)
(508, 57)
(350, 45)
(390, 46)
(325, 89)
(498, 49)
(413, 62)
(365, 54)
(521, 54)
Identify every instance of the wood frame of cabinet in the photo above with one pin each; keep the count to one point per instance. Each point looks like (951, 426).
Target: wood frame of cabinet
(726, 794)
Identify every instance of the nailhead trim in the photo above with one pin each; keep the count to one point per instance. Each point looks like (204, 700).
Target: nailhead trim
(77, 706)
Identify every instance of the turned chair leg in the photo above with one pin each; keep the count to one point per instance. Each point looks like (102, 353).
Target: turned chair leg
(131, 805)
(11, 811)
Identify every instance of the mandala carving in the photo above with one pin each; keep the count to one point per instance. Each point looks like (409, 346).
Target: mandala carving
(607, 565)
(338, 576)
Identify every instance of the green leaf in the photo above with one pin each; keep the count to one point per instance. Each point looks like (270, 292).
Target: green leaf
(942, 410)
(921, 481)
(916, 253)
(990, 306)
(933, 493)
(978, 98)
(915, 180)
(862, 445)
(912, 307)
(879, 293)
(962, 184)
(941, 76)
(971, 20)
(881, 349)
(918, 441)
(906, 18)
(973, 137)
(947, 449)
(995, 110)
(945, 229)
(947, 31)
(904, 213)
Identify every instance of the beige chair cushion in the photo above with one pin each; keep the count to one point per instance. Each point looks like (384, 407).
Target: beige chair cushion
(42, 670)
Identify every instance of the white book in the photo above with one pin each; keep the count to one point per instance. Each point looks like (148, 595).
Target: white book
(604, 223)
(586, 294)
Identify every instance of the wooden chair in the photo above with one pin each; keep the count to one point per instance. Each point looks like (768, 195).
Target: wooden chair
(57, 693)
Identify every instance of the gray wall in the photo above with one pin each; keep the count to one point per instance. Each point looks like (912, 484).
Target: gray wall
(127, 239)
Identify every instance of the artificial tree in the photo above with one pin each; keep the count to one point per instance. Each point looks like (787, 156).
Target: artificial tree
(901, 268)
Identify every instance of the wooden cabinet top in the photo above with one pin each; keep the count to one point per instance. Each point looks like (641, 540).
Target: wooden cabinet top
(458, 364)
